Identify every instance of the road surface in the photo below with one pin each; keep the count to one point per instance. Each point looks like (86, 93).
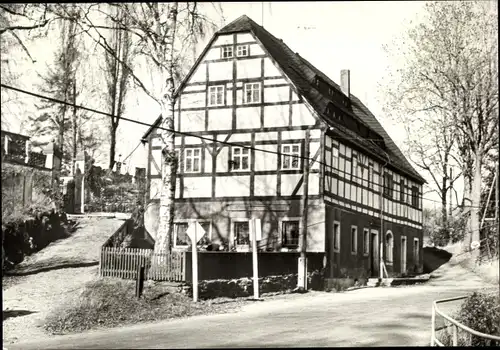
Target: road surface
(366, 317)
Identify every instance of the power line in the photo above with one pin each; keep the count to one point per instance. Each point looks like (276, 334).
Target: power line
(183, 133)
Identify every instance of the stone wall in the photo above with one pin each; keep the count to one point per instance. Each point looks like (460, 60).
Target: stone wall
(243, 287)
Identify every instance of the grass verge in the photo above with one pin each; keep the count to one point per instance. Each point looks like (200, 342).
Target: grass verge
(107, 303)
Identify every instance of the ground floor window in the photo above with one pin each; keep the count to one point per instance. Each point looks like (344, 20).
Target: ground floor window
(389, 246)
(354, 239)
(290, 233)
(242, 232)
(336, 236)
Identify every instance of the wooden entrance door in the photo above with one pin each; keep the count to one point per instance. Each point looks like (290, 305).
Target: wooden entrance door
(374, 263)
(404, 251)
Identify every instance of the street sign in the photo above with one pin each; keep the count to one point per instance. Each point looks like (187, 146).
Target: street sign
(255, 226)
(195, 231)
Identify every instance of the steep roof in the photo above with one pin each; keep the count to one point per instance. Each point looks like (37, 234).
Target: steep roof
(302, 74)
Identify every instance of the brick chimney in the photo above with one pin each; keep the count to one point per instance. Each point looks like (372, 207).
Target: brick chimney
(345, 82)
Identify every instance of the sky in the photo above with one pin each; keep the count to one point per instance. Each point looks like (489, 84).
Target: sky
(331, 35)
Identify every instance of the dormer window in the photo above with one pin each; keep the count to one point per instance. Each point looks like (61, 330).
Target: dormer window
(242, 50)
(227, 51)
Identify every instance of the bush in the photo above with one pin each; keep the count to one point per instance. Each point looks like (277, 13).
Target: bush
(111, 302)
(480, 312)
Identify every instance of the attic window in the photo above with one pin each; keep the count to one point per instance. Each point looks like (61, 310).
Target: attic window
(227, 51)
(242, 50)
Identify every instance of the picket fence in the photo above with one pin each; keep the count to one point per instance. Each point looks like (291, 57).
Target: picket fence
(124, 263)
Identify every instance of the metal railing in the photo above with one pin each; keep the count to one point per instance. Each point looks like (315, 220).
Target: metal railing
(455, 325)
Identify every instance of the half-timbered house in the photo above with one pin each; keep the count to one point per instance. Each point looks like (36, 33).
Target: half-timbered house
(251, 99)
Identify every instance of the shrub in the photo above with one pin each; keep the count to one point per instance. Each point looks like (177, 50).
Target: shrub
(480, 312)
(111, 302)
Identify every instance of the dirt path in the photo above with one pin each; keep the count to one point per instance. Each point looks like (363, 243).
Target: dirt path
(47, 277)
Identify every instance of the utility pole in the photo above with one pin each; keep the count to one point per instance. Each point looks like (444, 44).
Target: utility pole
(451, 188)
(381, 239)
(497, 218)
(302, 276)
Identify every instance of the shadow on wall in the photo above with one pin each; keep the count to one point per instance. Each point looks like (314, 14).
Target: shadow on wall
(434, 258)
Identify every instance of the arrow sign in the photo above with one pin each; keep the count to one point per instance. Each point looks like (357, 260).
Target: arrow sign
(195, 231)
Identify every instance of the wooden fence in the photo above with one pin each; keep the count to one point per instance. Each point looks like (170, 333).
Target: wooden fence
(124, 263)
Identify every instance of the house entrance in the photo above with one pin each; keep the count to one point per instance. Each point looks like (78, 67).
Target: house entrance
(403, 254)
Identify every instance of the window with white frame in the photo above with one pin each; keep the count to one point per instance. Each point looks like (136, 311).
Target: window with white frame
(242, 50)
(291, 157)
(389, 247)
(192, 160)
(354, 173)
(366, 241)
(335, 158)
(241, 232)
(227, 51)
(336, 236)
(216, 95)
(240, 159)
(251, 93)
(181, 239)
(354, 239)
(290, 233)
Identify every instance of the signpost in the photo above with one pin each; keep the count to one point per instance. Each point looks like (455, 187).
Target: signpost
(195, 232)
(256, 235)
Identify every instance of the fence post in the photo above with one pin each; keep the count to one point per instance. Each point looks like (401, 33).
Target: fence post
(183, 257)
(455, 335)
(433, 325)
(140, 281)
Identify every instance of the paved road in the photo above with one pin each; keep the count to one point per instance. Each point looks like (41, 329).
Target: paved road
(365, 317)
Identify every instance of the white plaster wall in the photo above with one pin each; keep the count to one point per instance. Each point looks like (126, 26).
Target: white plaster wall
(213, 54)
(265, 185)
(200, 88)
(197, 186)
(232, 186)
(275, 81)
(247, 117)
(290, 181)
(301, 115)
(193, 100)
(208, 159)
(255, 49)
(240, 137)
(192, 120)
(276, 94)
(191, 140)
(223, 40)
(156, 142)
(266, 161)
(156, 155)
(266, 136)
(270, 69)
(220, 71)
(248, 68)
(222, 159)
(244, 38)
(220, 119)
(275, 116)
(199, 74)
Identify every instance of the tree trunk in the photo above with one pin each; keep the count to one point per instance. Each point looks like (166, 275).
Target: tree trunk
(169, 167)
(112, 149)
(475, 203)
(75, 126)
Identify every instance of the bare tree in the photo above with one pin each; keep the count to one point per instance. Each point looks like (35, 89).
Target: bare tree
(450, 71)
(160, 32)
(117, 75)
